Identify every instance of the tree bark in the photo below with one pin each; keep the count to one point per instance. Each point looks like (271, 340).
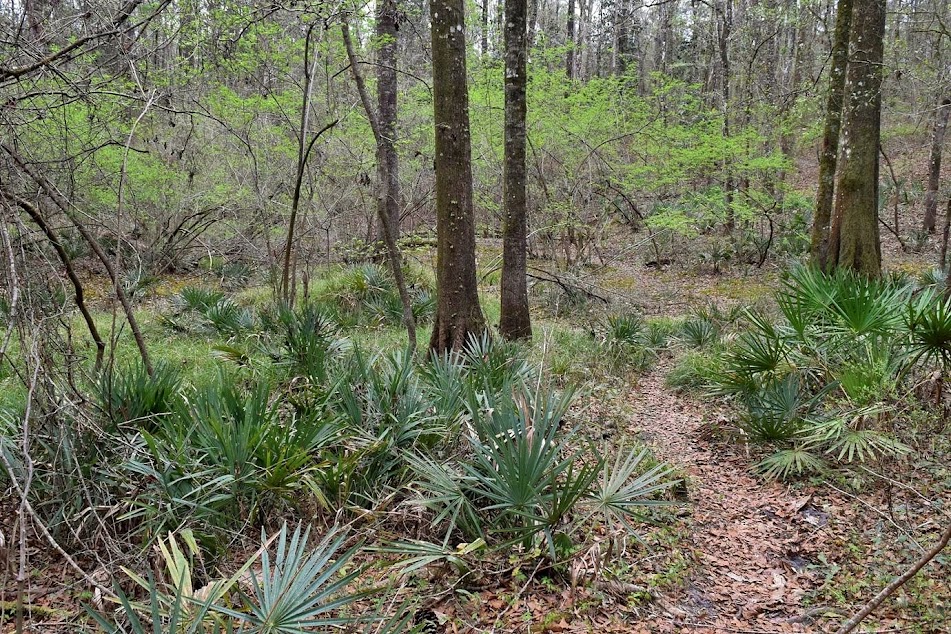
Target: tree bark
(515, 321)
(458, 314)
(934, 165)
(854, 238)
(822, 220)
(724, 28)
(385, 186)
(570, 41)
(388, 171)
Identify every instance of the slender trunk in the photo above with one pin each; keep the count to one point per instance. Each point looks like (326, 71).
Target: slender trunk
(532, 22)
(725, 26)
(484, 48)
(79, 295)
(385, 186)
(828, 155)
(854, 238)
(66, 207)
(942, 263)
(622, 24)
(897, 582)
(515, 321)
(287, 283)
(458, 314)
(934, 165)
(570, 41)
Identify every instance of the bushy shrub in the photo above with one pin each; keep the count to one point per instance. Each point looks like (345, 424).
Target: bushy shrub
(126, 393)
(845, 346)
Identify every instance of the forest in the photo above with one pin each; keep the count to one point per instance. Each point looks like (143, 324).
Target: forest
(543, 316)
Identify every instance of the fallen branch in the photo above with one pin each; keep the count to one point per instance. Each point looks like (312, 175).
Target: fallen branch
(547, 276)
(898, 582)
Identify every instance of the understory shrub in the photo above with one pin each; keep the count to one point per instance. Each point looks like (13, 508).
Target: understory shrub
(822, 381)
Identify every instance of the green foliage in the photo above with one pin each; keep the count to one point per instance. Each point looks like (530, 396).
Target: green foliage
(526, 475)
(300, 587)
(696, 369)
(310, 341)
(628, 341)
(127, 394)
(820, 381)
(698, 332)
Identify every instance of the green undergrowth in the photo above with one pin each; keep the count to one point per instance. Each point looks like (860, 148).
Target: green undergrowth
(828, 376)
(256, 412)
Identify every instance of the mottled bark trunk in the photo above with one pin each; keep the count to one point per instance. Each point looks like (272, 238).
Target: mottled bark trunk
(388, 170)
(570, 41)
(822, 219)
(532, 21)
(484, 44)
(934, 165)
(664, 36)
(458, 314)
(515, 321)
(622, 29)
(854, 238)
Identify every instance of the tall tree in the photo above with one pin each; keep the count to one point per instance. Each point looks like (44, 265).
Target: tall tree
(387, 183)
(822, 219)
(570, 41)
(458, 314)
(387, 30)
(515, 322)
(934, 164)
(854, 238)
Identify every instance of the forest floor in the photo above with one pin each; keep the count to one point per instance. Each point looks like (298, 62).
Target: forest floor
(740, 555)
(749, 552)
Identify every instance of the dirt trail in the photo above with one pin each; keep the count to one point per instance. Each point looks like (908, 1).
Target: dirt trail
(753, 541)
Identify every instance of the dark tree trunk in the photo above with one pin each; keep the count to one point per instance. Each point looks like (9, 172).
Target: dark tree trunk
(664, 36)
(484, 45)
(725, 26)
(458, 314)
(622, 28)
(515, 322)
(934, 165)
(570, 41)
(822, 219)
(388, 171)
(854, 239)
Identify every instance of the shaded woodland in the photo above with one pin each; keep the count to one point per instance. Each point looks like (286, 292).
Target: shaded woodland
(511, 315)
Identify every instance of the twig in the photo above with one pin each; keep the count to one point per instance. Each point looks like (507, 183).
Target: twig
(880, 513)
(899, 581)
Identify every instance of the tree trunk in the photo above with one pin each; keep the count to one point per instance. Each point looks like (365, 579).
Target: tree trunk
(724, 27)
(458, 314)
(385, 184)
(622, 29)
(934, 166)
(854, 240)
(830, 135)
(570, 41)
(515, 321)
(484, 45)
(388, 171)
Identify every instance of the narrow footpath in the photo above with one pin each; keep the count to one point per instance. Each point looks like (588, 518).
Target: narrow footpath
(757, 546)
